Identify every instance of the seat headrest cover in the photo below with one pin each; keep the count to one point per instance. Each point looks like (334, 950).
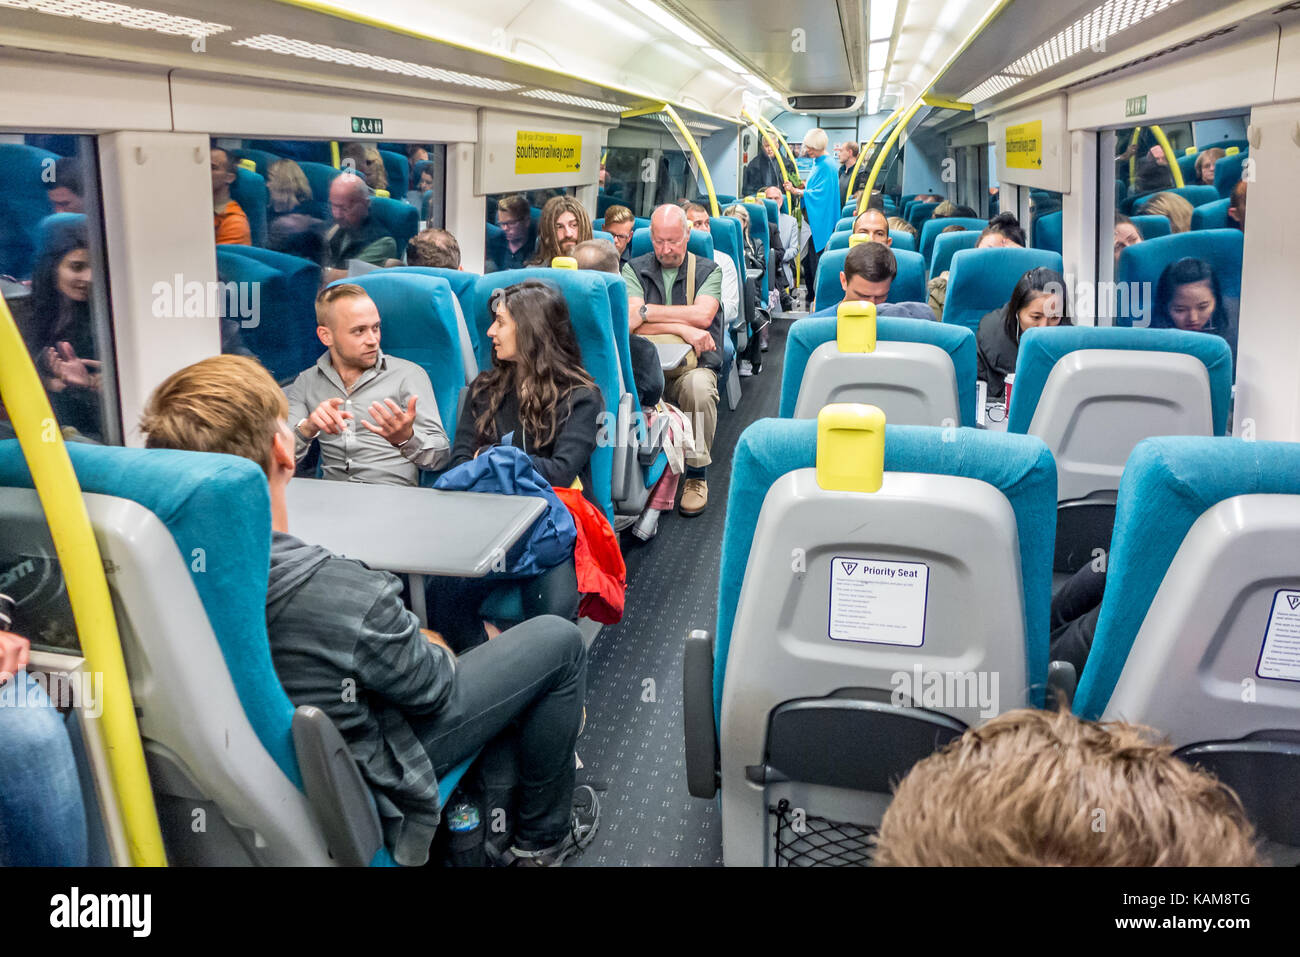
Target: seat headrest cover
(1167, 484)
(1019, 466)
(857, 239)
(564, 262)
(810, 332)
(855, 326)
(850, 447)
(220, 504)
(1041, 349)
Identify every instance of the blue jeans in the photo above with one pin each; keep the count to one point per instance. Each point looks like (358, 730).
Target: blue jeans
(521, 696)
(42, 816)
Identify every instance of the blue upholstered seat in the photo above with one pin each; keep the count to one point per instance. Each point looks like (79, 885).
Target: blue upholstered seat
(587, 294)
(946, 246)
(1047, 231)
(1167, 484)
(23, 204)
(902, 240)
(400, 220)
(1212, 215)
(1041, 349)
(1018, 466)
(319, 177)
(285, 337)
(908, 284)
(418, 318)
(838, 240)
(981, 280)
(699, 242)
(1227, 172)
(1153, 226)
(931, 229)
(810, 332)
(1143, 263)
(398, 171)
(249, 191)
(919, 214)
(1194, 194)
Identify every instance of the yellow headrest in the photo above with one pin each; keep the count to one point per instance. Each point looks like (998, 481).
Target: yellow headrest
(1190, 151)
(850, 447)
(855, 326)
(1232, 151)
(857, 239)
(248, 164)
(564, 262)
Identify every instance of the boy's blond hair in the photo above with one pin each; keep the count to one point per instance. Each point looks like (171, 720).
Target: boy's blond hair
(224, 404)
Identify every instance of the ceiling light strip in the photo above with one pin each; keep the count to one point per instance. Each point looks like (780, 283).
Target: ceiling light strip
(287, 46)
(117, 14)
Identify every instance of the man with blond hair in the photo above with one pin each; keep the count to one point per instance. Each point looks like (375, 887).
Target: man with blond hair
(621, 224)
(417, 710)
(1033, 788)
(353, 378)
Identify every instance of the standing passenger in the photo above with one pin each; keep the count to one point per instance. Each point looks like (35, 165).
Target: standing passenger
(821, 197)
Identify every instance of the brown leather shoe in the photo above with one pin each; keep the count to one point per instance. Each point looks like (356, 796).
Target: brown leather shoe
(695, 496)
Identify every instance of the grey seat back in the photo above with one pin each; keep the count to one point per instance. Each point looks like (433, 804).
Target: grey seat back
(913, 383)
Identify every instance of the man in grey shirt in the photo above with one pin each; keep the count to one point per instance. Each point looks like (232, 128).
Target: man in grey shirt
(403, 434)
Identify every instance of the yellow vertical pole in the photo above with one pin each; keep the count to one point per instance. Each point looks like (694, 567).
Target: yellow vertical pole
(879, 164)
(83, 574)
(695, 151)
(1174, 168)
(875, 137)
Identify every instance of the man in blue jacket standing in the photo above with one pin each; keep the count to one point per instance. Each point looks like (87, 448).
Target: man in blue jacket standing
(821, 199)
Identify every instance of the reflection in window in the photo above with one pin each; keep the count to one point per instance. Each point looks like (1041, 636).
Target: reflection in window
(515, 235)
(292, 215)
(51, 275)
(1194, 282)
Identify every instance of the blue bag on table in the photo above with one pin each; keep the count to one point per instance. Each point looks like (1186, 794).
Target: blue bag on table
(505, 470)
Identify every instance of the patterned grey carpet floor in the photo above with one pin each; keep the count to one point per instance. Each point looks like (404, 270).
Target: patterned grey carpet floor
(632, 745)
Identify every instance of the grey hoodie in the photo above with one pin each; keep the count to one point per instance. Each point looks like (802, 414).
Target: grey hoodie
(342, 640)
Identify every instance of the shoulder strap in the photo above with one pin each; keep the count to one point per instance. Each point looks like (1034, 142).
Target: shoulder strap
(690, 279)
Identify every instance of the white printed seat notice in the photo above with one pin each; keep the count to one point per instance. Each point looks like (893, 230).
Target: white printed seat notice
(1280, 656)
(877, 601)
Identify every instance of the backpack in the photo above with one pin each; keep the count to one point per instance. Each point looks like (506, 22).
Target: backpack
(602, 575)
(506, 470)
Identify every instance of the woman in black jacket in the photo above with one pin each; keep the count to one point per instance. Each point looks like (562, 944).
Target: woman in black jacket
(1039, 299)
(538, 397)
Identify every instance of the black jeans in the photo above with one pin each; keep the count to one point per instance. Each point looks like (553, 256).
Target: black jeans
(453, 603)
(518, 696)
(1074, 616)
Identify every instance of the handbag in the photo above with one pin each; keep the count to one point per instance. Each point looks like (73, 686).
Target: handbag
(506, 470)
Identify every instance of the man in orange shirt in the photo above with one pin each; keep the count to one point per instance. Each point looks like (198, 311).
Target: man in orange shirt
(227, 218)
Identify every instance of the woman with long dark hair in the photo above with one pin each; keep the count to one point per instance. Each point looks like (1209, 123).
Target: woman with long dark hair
(1039, 299)
(59, 333)
(1189, 296)
(538, 393)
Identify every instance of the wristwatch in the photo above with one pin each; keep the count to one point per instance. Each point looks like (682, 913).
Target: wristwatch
(642, 312)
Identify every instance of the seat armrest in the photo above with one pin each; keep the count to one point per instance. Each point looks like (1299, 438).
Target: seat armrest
(697, 706)
(335, 789)
(1062, 682)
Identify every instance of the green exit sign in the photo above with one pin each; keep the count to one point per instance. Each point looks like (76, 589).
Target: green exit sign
(1135, 106)
(367, 124)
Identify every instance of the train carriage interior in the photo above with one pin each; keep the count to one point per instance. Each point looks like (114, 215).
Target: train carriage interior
(642, 433)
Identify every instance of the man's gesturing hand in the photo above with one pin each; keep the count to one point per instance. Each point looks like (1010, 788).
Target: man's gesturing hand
(391, 422)
(326, 418)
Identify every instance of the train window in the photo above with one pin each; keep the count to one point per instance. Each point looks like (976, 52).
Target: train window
(1045, 204)
(280, 196)
(517, 217)
(52, 276)
(1201, 289)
